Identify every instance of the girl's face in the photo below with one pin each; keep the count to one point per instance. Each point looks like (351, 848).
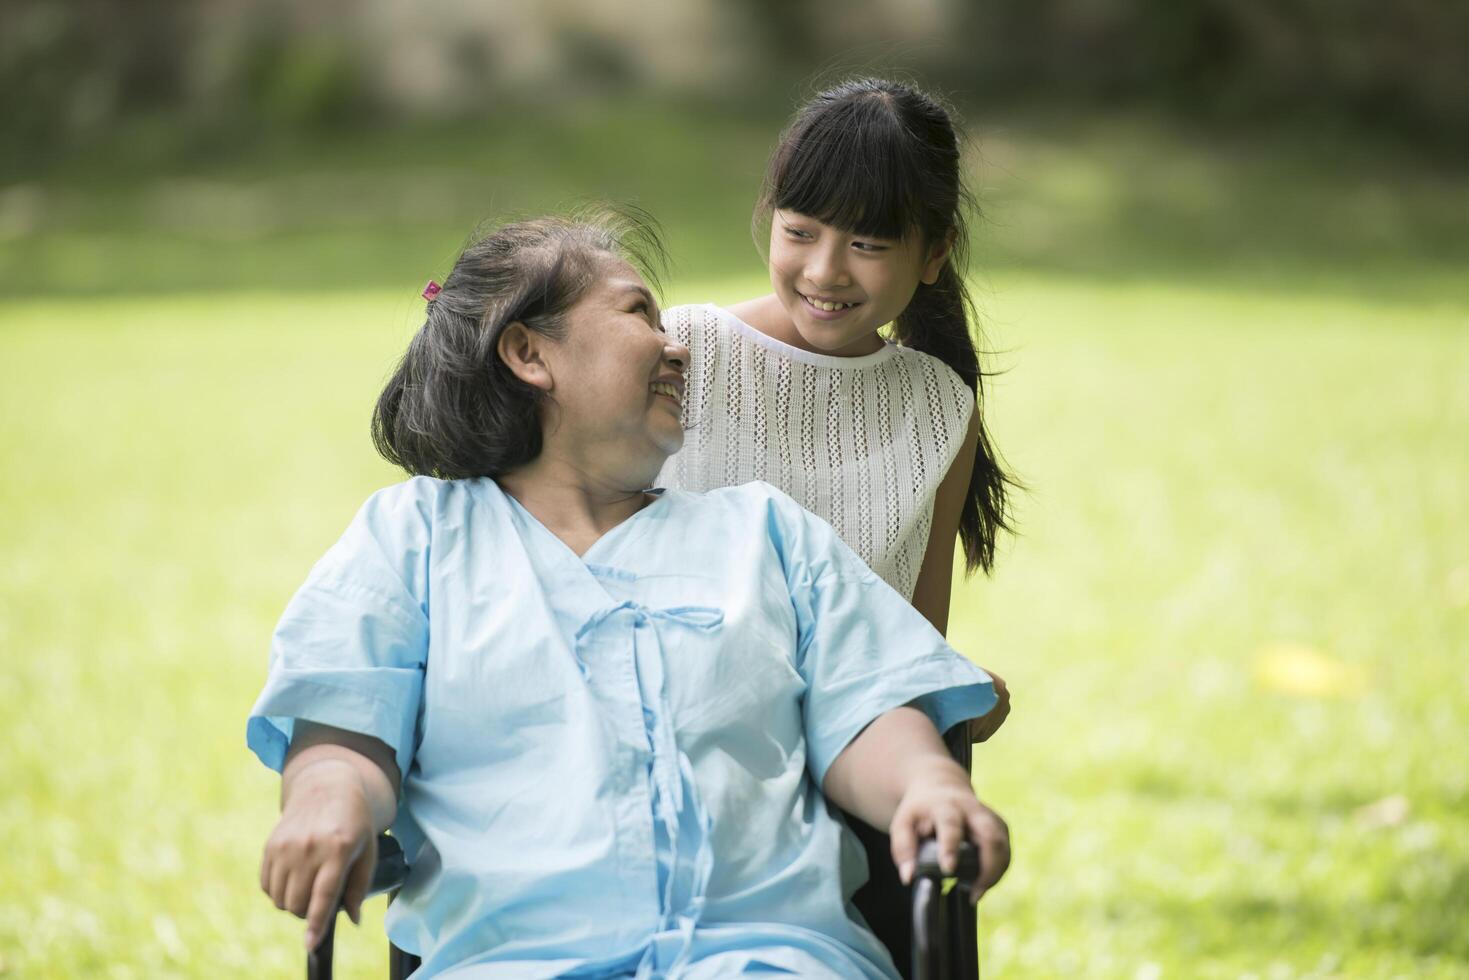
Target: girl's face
(840, 288)
(616, 377)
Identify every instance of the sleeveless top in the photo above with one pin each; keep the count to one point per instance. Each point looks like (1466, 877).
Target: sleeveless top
(863, 442)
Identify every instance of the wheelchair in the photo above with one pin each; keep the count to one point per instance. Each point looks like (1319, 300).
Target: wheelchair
(932, 933)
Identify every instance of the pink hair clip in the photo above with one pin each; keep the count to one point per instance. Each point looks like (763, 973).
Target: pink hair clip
(431, 290)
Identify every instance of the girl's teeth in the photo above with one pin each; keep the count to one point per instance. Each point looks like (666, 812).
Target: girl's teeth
(828, 307)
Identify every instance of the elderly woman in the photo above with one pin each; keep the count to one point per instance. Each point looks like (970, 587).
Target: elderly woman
(609, 724)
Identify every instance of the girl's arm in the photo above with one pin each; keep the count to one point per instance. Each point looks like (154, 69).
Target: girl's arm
(898, 775)
(936, 577)
(338, 792)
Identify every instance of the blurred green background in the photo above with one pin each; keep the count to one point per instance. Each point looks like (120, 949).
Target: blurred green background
(1223, 265)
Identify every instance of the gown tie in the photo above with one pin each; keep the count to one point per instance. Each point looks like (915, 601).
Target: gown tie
(673, 773)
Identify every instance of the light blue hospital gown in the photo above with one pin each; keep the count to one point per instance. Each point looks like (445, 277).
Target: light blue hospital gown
(611, 763)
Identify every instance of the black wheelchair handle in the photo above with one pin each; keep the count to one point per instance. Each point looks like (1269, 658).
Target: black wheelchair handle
(967, 871)
(387, 875)
(937, 953)
(391, 869)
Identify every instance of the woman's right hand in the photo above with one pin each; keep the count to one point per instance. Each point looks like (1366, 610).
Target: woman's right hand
(323, 848)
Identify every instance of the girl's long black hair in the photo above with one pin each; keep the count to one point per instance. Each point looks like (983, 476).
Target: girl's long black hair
(881, 158)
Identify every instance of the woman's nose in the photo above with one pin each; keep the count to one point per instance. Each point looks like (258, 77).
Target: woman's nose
(676, 354)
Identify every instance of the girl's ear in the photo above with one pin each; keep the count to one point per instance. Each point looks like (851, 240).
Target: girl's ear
(938, 254)
(521, 349)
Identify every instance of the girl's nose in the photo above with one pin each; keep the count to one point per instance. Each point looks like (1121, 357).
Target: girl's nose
(827, 269)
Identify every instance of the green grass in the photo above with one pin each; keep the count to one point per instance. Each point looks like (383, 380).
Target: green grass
(1237, 617)
(1215, 475)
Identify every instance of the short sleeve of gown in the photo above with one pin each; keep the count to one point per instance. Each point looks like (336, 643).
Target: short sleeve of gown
(350, 649)
(862, 648)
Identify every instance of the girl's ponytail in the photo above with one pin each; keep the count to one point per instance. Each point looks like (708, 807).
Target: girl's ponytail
(936, 322)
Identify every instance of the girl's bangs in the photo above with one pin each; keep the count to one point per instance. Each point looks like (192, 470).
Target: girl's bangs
(851, 173)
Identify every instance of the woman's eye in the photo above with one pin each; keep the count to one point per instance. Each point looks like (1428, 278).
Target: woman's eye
(646, 312)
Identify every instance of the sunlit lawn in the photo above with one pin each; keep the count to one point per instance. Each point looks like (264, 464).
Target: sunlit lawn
(1238, 617)
(1236, 623)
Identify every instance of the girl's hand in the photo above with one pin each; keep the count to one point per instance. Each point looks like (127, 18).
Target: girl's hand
(323, 848)
(940, 803)
(988, 723)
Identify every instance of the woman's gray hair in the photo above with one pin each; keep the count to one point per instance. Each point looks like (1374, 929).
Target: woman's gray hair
(453, 409)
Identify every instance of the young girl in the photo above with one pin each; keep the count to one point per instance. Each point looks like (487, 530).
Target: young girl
(866, 208)
(604, 722)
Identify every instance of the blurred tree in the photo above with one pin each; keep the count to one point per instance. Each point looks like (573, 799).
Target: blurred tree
(69, 69)
(1397, 65)
(784, 32)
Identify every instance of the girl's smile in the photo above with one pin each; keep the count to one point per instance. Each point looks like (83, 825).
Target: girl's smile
(827, 309)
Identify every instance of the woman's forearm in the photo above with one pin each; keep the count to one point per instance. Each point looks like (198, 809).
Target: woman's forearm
(872, 774)
(898, 776)
(326, 761)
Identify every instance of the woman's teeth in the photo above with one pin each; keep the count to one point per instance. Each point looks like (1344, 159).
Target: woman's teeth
(828, 307)
(664, 388)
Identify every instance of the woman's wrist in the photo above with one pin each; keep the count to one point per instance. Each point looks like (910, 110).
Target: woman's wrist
(935, 769)
(323, 778)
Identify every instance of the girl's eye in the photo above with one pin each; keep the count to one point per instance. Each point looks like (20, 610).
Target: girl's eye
(797, 233)
(869, 247)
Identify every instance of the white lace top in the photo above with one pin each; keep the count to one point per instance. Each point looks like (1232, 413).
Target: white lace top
(863, 442)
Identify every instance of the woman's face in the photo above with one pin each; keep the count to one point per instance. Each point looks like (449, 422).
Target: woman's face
(839, 288)
(617, 378)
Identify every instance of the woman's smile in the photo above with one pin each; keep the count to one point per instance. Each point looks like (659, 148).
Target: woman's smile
(670, 390)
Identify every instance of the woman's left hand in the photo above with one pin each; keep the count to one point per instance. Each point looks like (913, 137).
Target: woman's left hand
(940, 803)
